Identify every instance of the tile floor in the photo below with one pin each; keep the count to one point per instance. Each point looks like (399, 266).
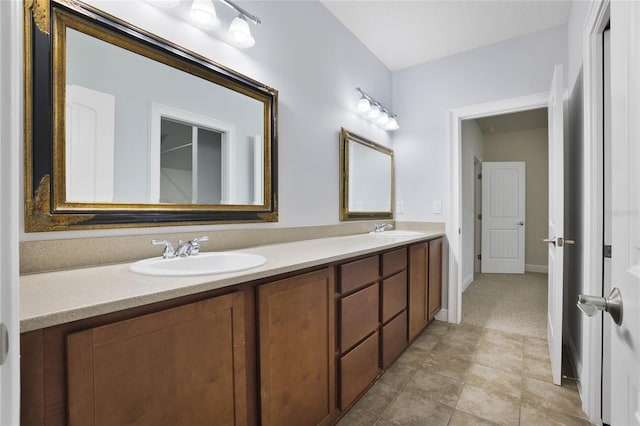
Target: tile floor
(469, 375)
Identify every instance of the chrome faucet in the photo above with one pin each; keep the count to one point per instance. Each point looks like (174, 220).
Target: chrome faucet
(189, 248)
(380, 227)
(169, 252)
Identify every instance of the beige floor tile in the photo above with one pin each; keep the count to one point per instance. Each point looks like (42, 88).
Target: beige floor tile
(504, 341)
(455, 349)
(551, 397)
(463, 335)
(437, 328)
(531, 415)
(537, 368)
(460, 418)
(367, 410)
(410, 409)
(426, 342)
(536, 348)
(399, 373)
(446, 366)
(433, 386)
(494, 380)
(499, 358)
(497, 408)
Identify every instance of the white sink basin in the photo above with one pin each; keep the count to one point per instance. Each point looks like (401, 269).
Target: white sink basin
(200, 264)
(398, 233)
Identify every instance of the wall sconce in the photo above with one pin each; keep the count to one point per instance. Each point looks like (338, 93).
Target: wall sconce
(202, 14)
(376, 112)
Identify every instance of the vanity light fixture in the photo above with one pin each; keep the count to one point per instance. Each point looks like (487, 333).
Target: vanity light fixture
(376, 112)
(239, 32)
(203, 14)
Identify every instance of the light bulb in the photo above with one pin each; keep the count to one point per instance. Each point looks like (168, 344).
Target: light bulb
(373, 113)
(363, 105)
(383, 119)
(240, 33)
(204, 15)
(392, 124)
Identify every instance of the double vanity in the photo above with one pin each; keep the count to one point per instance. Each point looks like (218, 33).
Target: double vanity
(296, 340)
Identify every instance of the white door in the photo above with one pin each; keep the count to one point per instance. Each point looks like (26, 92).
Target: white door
(90, 137)
(11, 136)
(503, 221)
(625, 201)
(556, 223)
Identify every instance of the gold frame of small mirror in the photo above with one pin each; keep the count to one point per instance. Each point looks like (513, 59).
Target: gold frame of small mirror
(46, 207)
(346, 176)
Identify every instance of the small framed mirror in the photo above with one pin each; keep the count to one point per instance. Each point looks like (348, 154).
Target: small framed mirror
(123, 128)
(366, 178)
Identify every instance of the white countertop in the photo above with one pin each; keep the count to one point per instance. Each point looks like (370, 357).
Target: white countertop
(53, 298)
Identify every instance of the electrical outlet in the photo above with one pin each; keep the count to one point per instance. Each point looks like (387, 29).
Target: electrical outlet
(400, 207)
(437, 207)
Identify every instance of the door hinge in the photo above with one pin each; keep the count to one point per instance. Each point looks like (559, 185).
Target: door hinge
(479, 175)
(479, 257)
(4, 343)
(606, 252)
(479, 217)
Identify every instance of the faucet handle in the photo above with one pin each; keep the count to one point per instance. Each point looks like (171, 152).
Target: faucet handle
(195, 244)
(169, 252)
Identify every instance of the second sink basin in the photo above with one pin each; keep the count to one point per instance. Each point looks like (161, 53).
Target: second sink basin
(201, 264)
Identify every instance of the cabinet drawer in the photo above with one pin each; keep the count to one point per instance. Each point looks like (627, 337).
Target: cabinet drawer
(358, 273)
(394, 339)
(394, 261)
(394, 295)
(359, 316)
(358, 369)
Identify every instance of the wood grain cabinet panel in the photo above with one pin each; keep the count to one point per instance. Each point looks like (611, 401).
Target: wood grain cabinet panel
(180, 366)
(358, 316)
(359, 273)
(394, 261)
(435, 277)
(394, 295)
(358, 369)
(394, 339)
(418, 288)
(297, 350)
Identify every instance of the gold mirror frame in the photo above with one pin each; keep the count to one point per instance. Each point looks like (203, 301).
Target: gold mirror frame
(345, 213)
(46, 209)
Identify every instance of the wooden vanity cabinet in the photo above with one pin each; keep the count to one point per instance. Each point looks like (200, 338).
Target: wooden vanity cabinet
(297, 350)
(435, 278)
(425, 284)
(179, 366)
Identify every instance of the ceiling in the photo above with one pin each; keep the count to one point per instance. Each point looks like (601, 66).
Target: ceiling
(404, 33)
(524, 120)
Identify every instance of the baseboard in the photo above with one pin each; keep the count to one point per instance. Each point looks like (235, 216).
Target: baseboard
(443, 315)
(467, 282)
(543, 269)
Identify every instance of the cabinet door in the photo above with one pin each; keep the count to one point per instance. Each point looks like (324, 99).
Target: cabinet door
(181, 366)
(297, 350)
(418, 288)
(435, 277)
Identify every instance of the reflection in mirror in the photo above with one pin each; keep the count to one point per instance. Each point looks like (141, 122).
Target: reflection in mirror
(120, 101)
(366, 178)
(123, 128)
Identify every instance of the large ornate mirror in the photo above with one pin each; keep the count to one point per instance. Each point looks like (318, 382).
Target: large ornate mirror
(126, 129)
(366, 178)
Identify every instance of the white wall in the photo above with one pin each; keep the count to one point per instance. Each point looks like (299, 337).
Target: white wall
(315, 63)
(472, 147)
(423, 95)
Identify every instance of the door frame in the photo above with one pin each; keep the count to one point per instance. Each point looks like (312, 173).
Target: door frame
(454, 220)
(590, 371)
(11, 132)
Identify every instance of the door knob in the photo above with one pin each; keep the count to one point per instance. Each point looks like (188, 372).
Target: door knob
(551, 240)
(521, 223)
(612, 304)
